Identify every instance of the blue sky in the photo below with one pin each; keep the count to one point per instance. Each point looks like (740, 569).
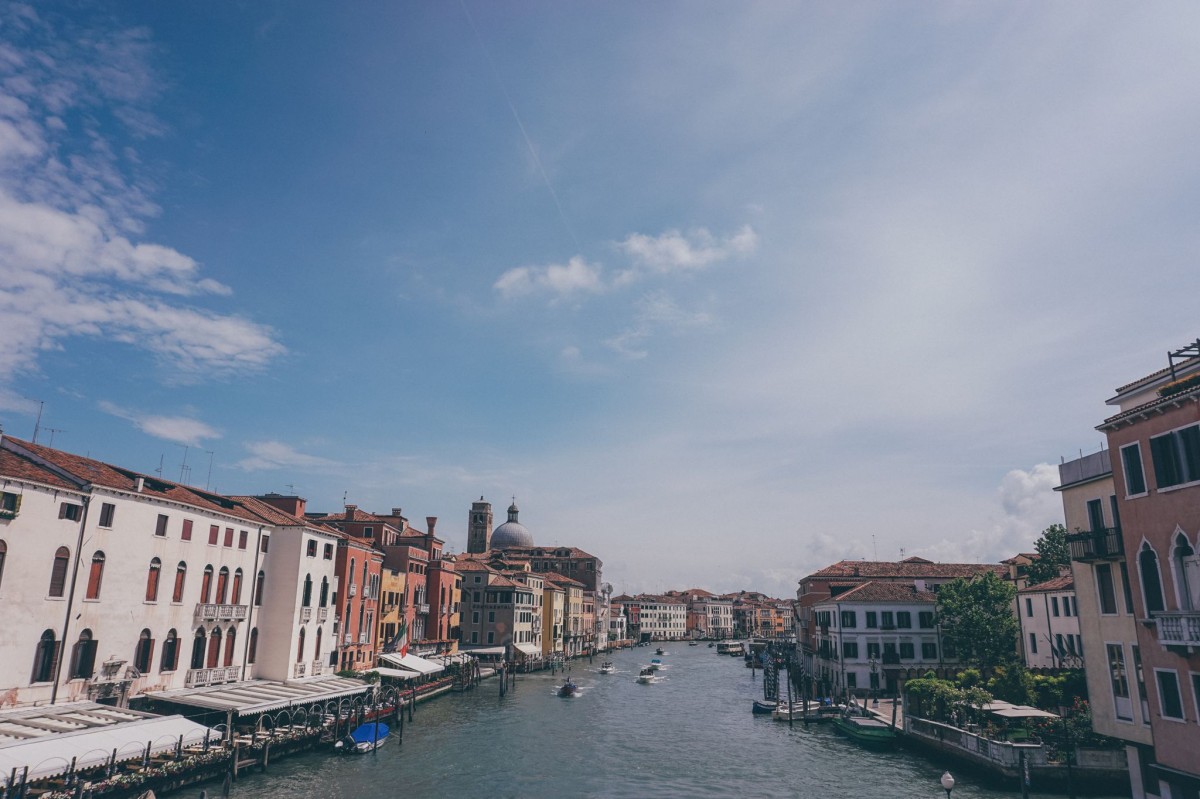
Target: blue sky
(720, 292)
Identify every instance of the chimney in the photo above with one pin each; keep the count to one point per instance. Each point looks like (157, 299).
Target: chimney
(350, 511)
(141, 483)
(397, 511)
(431, 522)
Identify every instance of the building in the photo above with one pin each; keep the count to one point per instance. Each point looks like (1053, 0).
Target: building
(1049, 618)
(554, 614)
(574, 632)
(660, 617)
(1107, 623)
(1156, 435)
(616, 625)
(479, 527)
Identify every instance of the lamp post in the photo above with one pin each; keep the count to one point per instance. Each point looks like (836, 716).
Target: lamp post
(874, 681)
(947, 783)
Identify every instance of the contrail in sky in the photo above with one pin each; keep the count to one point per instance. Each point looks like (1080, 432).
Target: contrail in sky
(528, 142)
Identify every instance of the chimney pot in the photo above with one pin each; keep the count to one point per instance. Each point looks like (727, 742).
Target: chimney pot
(397, 511)
(431, 522)
(141, 483)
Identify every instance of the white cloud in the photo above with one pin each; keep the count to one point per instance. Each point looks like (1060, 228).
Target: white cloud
(277, 455)
(673, 251)
(559, 280)
(655, 312)
(180, 429)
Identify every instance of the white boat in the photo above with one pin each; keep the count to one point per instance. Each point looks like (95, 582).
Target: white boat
(780, 713)
(365, 738)
(646, 676)
(607, 667)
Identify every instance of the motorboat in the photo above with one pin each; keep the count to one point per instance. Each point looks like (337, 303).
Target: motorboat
(693, 643)
(861, 726)
(646, 676)
(711, 644)
(364, 738)
(784, 712)
(655, 664)
(659, 651)
(607, 667)
(568, 688)
(762, 707)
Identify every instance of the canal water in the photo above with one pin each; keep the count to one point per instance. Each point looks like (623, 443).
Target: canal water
(690, 735)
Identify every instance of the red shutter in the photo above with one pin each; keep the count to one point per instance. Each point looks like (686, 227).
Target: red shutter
(186, 534)
(229, 536)
(152, 586)
(94, 578)
(214, 533)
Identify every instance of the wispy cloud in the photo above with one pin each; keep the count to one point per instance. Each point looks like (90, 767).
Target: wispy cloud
(576, 276)
(72, 206)
(180, 429)
(673, 251)
(278, 455)
(653, 313)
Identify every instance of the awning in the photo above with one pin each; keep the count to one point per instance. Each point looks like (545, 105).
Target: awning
(412, 663)
(54, 752)
(529, 650)
(397, 674)
(1023, 712)
(260, 696)
(457, 657)
(486, 651)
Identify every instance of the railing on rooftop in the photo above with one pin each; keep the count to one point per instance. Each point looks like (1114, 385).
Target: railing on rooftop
(1093, 545)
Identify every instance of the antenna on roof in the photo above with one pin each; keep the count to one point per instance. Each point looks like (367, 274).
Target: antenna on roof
(54, 430)
(901, 553)
(874, 546)
(208, 479)
(291, 487)
(183, 467)
(38, 424)
(344, 494)
(158, 471)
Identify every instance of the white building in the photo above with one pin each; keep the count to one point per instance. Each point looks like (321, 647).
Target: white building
(661, 617)
(1050, 625)
(616, 625)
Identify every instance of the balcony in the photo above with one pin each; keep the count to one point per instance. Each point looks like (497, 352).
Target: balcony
(317, 668)
(349, 639)
(198, 678)
(1097, 545)
(298, 669)
(305, 614)
(322, 614)
(353, 590)
(364, 638)
(422, 609)
(211, 612)
(1178, 628)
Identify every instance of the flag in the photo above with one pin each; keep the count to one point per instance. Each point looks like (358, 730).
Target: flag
(400, 642)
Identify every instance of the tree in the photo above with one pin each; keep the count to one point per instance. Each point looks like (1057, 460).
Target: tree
(978, 622)
(1053, 554)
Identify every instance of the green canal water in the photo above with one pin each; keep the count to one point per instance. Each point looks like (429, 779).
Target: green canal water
(689, 736)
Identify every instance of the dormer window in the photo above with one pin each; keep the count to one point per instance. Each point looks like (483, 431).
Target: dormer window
(368, 532)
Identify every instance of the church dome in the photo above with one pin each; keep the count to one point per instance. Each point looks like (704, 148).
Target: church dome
(512, 533)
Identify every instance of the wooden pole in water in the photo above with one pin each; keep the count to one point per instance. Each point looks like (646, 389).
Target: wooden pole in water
(790, 724)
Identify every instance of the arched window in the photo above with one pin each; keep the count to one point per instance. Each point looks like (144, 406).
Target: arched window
(253, 653)
(306, 597)
(317, 649)
(95, 576)
(364, 577)
(152, 581)
(3, 553)
(1183, 565)
(236, 593)
(230, 640)
(222, 585)
(300, 647)
(170, 653)
(214, 649)
(58, 572)
(44, 658)
(206, 585)
(324, 591)
(198, 649)
(143, 656)
(259, 584)
(83, 656)
(1151, 579)
(350, 575)
(180, 580)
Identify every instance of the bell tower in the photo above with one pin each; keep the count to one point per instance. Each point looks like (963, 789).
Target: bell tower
(479, 527)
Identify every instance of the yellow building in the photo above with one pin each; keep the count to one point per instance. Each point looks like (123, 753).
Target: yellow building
(391, 604)
(554, 611)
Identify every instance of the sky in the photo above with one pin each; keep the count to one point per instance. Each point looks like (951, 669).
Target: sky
(719, 292)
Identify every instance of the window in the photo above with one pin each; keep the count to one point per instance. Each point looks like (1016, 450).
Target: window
(83, 657)
(264, 543)
(186, 533)
(10, 505)
(872, 619)
(1135, 479)
(160, 529)
(95, 577)
(236, 592)
(491, 638)
(324, 592)
(206, 585)
(491, 616)
(143, 654)
(475, 617)
(929, 651)
(904, 620)
(58, 572)
(1125, 587)
(1118, 678)
(1095, 512)
(368, 532)
(317, 646)
(328, 552)
(230, 642)
(253, 652)
(849, 649)
(214, 535)
(926, 620)
(107, 512)
(849, 618)
(1066, 605)
(887, 620)
(152, 583)
(873, 651)
(180, 579)
(1183, 566)
(311, 549)
(1104, 585)
(1140, 675)
(259, 583)
(214, 649)
(306, 597)
(1054, 605)
(71, 511)
(1032, 644)
(906, 651)
(243, 538)
(851, 679)
(45, 658)
(1059, 649)
(170, 652)
(198, 643)
(1169, 699)
(1029, 607)
(222, 585)
(228, 537)
(1176, 457)
(1151, 579)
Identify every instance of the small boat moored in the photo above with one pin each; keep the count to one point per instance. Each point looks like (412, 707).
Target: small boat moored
(364, 738)
(861, 727)
(762, 707)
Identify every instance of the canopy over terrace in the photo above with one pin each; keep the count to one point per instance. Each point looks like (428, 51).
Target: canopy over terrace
(252, 697)
(412, 663)
(50, 740)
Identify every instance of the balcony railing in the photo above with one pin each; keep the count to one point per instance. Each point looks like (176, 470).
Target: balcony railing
(364, 638)
(1093, 545)
(1178, 628)
(349, 638)
(317, 668)
(197, 678)
(212, 612)
(353, 589)
(322, 614)
(422, 609)
(298, 669)
(305, 614)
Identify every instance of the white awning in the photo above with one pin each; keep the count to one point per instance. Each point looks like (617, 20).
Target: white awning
(457, 657)
(485, 651)
(529, 650)
(412, 663)
(398, 674)
(53, 753)
(259, 696)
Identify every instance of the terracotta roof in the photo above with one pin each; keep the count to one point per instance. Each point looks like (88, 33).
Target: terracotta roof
(1064, 583)
(870, 569)
(502, 581)
(471, 565)
(546, 552)
(16, 467)
(885, 592)
(273, 515)
(1182, 366)
(355, 515)
(559, 579)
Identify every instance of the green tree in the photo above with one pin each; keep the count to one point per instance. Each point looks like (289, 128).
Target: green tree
(1053, 554)
(978, 621)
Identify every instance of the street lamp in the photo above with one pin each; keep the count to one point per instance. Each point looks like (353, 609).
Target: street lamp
(947, 783)
(874, 681)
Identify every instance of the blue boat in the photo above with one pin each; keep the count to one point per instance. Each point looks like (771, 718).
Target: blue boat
(365, 738)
